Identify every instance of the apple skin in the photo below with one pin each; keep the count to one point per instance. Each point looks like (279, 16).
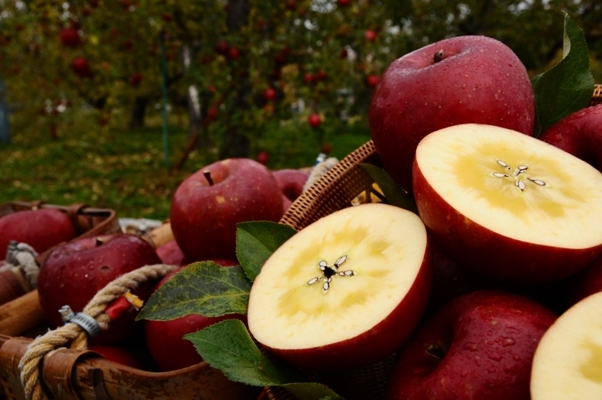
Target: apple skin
(204, 217)
(74, 272)
(291, 181)
(584, 283)
(117, 354)
(579, 134)
(417, 95)
(171, 254)
(489, 253)
(41, 229)
(376, 344)
(164, 338)
(483, 345)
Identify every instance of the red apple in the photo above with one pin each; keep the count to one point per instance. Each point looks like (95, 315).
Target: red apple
(343, 3)
(372, 80)
(263, 157)
(345, 291)
(81, 67)
(370, 35)
(164, 338)
(117, 354)
(584, 283)
(171, 254)
(479, 346)
(308, 78)
(269, 94)
(454, 81)
(233, 53)
(207, 206)
(291, 181)
(321, 75)
(135, 79)
(291, 4)
(221, 47)
(579, 134)
(507, 205)
(75, 271)
(70, 37)
(41, 229)
(314, 120)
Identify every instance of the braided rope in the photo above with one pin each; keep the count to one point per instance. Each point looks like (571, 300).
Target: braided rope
(319, 171)
(21, 257)
(73, 334)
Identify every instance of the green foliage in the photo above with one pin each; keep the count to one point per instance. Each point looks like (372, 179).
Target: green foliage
(256, 241)
(203, 288)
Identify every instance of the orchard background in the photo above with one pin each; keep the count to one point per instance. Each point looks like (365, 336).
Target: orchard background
(114, 102)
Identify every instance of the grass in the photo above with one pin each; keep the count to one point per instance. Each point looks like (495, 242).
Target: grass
(124, 170)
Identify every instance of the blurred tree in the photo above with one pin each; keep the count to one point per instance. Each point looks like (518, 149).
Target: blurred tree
(233, 65)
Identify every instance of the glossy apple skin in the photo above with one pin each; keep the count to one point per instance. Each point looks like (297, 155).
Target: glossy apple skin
(117, 354)
(171, 254)
(377, 343)
(74, 272)
(203, 217)
(584, 283)
(291, 181)
(579, 134)
(489, 253)
(486, 341)
(41, 229)
(164, 338)
(479, 80)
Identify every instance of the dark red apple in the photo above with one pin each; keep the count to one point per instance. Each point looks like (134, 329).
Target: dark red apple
(314, 120)
(171, 254)
(372, 80)
(41, 229)
(308, 78)
(269, 94)
(579, 134)
(164, 338)
(118, 354)
(207, 206)
(343, 3)
(135, 79)
(75, 271)
(370, 35)
(479, 346)
(221, 47)
(446, 83)
(81, 67)
(291, 181)
(70, 37)
(263, 157)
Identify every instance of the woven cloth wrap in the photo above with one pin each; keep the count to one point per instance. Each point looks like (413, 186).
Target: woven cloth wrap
(319, 170)
(22, 257)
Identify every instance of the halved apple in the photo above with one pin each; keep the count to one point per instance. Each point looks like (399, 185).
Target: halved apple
(568, 360)
(344, 292)
(508, 205)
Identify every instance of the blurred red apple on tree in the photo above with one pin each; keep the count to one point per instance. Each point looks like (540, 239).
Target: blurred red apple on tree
(370, 35)
(70, 37)
(314, 120)
(81, 67)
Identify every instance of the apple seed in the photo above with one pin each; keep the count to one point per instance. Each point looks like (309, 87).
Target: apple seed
(516, 174)
(329, 272)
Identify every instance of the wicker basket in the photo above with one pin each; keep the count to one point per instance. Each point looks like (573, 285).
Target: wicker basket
(331, 193)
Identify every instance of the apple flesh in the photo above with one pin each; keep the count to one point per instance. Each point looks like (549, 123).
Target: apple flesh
(507, 205)
(207, 206)
(308, 311)
(579, 134)
(465, 79)
(75, 271)
(568, 359)
(41, 229)
(479, 346)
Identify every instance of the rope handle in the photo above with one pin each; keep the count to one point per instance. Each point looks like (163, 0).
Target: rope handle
(72, 334)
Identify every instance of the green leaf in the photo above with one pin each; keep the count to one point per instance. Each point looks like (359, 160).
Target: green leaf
(394, 194)
(203, 288)
(312, 391)
(228, 347)
(568, 86)
(256, 241)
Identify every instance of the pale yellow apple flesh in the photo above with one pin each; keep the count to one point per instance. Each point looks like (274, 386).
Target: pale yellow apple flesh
(383, 246)
(515, 185)
(568, 360)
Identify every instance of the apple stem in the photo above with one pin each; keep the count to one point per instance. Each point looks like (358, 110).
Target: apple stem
(435, 350)
(99, 241)
(438, 56)
(207, 174)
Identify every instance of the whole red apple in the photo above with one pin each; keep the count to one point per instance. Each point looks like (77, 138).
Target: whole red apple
(370, 35)
(269, 94)
(314, 120)
(372, 80)
(41, 229)
(579, 134)
(233, 53)
(263, 157)
(135, 79)
(478, 346)
(343, 3)
(164, 338)
(81, 67)
(308, 78)
(207, 206)
(70, 37)
(74, 272)
(432, 88)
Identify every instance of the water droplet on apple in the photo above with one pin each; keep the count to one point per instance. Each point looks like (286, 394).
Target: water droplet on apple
(470, 346)
(463, 373)
(495, 356)
(508, 342)
(516, 358)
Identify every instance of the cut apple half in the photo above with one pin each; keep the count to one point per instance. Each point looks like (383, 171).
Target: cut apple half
(568, 360)
(344, 292)
(507, 204)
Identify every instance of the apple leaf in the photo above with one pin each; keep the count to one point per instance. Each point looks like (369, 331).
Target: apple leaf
(204, 288)
(228, 346)
(566, 87)
(256, 241)
(394, 194)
